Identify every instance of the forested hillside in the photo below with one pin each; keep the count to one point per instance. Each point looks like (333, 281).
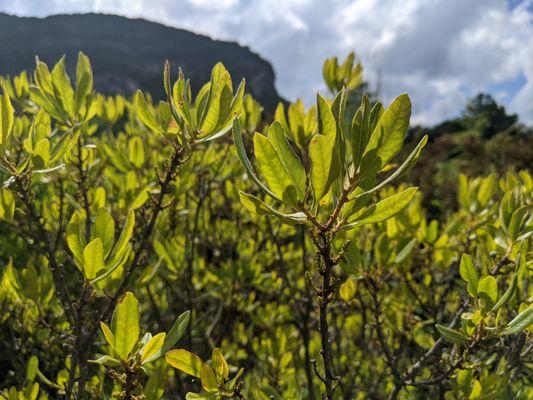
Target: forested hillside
(128, 53)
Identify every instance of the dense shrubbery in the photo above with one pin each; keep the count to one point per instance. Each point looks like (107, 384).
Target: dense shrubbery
(131, 270)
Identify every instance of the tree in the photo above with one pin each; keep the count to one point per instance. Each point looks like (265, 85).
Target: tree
(484, 114)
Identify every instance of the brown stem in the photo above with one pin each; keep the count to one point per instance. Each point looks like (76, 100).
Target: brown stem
(324, 299)
(304, 330)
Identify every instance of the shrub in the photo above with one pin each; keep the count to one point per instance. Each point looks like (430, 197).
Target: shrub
(126, 251)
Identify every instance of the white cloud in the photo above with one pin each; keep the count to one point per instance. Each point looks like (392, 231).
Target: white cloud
(439, 51)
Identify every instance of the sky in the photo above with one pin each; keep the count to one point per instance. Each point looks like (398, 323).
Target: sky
(441, 52)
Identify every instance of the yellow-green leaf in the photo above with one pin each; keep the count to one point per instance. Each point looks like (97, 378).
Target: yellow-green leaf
(388, 135)
(75, 240)
(185, 361)
(451, 335)
(107, 334)
(272, 169)
(6, 115)
(63, 87)
(219, 364)
(290, 161)
(468, 272)
(84, 81)
(145, 114)
(326, 121)
(152, 347)
(136, 151)
(386, 208)
(208, 378)
(104, 228)
(126, 325)
(124, 238)
(520, 322)
(321, 153)
(488, 289)
(93, 258)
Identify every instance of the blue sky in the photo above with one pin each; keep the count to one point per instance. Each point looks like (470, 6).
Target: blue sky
(439, 51)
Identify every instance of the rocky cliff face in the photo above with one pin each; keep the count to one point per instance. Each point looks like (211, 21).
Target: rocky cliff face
(127, 54)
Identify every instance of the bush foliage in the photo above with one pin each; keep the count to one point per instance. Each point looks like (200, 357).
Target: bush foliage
(188, 249)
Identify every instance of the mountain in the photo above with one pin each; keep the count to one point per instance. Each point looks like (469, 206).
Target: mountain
(127, 54)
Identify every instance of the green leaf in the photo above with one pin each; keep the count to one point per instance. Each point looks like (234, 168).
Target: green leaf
(32, 368)
(7, 205)
(185, 361)
(326, 121)
(329, 73)
(451, 335)
(405, 250)
(487, 188)
(107, 361)
(348, 289)
(321, 154)
(324, 151)
(507, 295)
(385, 208)
(136, 151)
(468, 272)
(279, 116)
(63, 87)
(210, 117)
(208, 378)
(124, 238)
(173, 335)
(145, 114)
(181, 100)
(488, 289)
(219, 364)
(241, 153)
(111, 267)
(259, 207)
(108, 334)
(388, 135)
(177, 331)
(202, 396)
(220, 92)
(272, 169)
(296, 123)
(233, 383)
(360, 131)
(153, 347)
(520, 322)
(104, 228)
(6, 115)
(126, 325)
(47, 103)
(75, 239)
(64, 144)
(477, 390)
(84, 82)
(518, 220)
(93, 258)
(41, 154)
(237, 103)
(409, 162)
(508, 204)
(84, 75)
(291, 163)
